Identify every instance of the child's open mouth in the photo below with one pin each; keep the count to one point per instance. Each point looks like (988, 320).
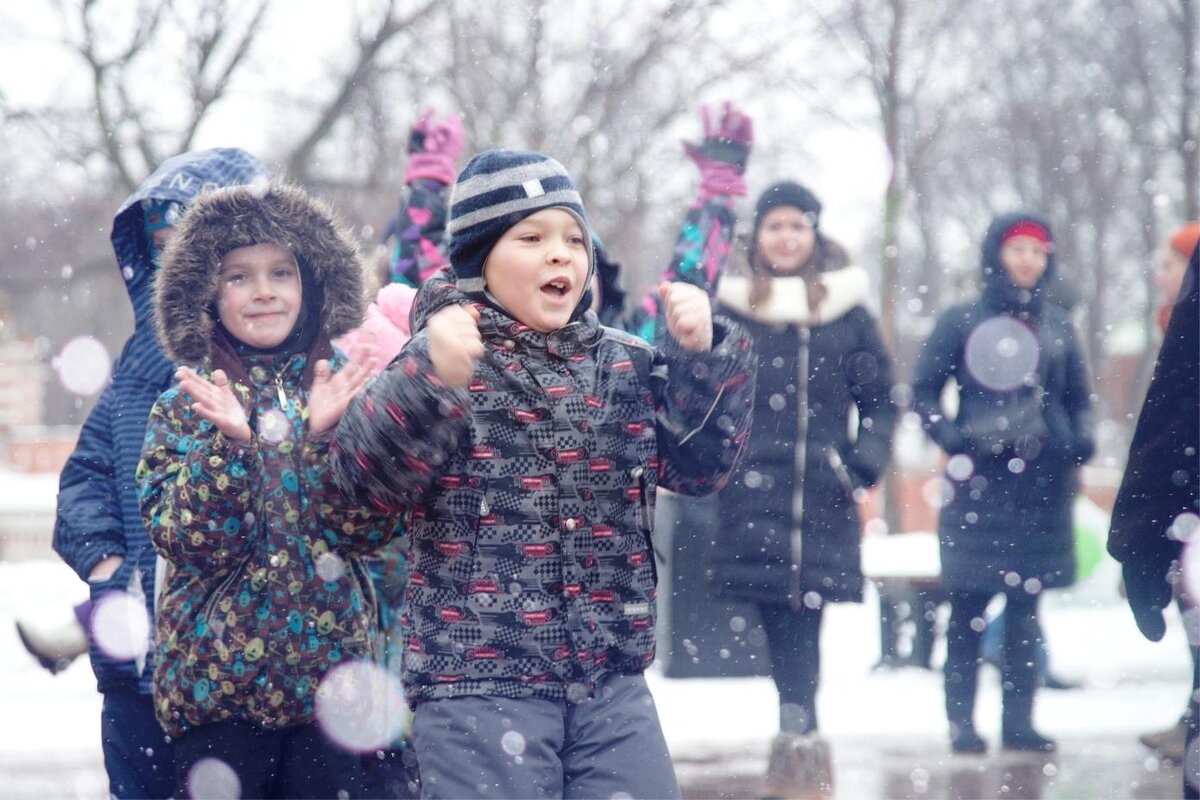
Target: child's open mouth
(556, 289)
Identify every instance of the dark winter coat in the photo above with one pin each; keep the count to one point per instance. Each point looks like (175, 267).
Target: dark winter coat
(265, 589)
(1016, 360)
(823, 422)
(98, 512)
(531, 494)
(1162, 475)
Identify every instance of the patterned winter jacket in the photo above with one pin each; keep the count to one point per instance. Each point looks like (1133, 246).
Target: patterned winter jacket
(265, 589)
(531, 494)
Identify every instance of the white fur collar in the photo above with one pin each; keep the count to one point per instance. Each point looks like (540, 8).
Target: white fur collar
(788, 303)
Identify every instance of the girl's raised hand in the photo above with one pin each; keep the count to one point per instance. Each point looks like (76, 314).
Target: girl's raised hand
(331, 393)
(215, 401)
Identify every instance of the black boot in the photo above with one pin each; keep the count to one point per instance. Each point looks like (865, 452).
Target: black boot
(1016, 724)
(964, 739)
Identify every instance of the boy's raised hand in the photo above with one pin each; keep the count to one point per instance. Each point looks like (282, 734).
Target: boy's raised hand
(688, 314)
(331, 393)
(215, 401)
(455, 344)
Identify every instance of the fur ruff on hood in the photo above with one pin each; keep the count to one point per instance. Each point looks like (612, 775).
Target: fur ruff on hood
(225, 219)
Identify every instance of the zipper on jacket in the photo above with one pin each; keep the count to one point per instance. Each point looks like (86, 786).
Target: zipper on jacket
(283, 401)
(797, 542)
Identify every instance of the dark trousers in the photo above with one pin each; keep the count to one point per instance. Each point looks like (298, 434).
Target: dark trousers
(138, 756)
(255, 762)
(1022, 638)
(501, 747)
(794, 641)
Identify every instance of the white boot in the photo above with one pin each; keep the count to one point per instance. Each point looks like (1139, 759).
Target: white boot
(54, 646)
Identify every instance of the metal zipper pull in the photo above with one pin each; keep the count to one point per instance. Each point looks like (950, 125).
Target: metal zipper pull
(283, 401)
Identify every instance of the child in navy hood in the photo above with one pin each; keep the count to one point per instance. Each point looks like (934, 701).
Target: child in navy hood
(525, 443)
(98, 530)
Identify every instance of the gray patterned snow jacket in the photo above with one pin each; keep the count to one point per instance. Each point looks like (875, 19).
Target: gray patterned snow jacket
(530, 494)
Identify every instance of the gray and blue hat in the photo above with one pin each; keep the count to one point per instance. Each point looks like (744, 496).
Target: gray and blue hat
(496, 190)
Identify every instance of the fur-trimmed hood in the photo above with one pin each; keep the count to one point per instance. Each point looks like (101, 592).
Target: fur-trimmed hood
(845, 289)
(224, 219)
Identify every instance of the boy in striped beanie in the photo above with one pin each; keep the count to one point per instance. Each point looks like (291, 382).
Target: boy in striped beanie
(526, 441)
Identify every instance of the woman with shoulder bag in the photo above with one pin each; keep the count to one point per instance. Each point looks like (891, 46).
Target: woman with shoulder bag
(1022, 428)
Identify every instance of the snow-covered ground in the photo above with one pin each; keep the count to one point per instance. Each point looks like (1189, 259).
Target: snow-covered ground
(1131, 686)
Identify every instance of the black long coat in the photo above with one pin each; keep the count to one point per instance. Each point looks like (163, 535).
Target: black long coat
(1007, 517)
(840, 372)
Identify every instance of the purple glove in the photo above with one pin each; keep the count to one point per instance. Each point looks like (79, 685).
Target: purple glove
(433, 148)
(722, 154)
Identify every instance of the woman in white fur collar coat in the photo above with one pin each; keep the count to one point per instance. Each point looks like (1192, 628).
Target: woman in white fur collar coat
(788, 538)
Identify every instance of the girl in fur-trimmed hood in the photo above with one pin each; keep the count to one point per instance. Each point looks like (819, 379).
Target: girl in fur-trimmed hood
(265, 591)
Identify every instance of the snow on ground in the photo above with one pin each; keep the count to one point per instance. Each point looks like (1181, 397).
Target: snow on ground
(1131, 685)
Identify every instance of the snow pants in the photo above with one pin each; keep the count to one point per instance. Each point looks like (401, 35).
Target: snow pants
(138, 756)
(498, 747)
(239, 759)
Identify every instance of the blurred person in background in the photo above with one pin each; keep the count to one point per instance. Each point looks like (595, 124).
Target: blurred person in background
(1023, 428)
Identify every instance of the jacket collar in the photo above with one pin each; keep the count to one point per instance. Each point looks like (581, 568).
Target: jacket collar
(846, 288)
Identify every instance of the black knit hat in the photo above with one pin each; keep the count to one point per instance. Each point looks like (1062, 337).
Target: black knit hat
(787, 193)
(496, 190)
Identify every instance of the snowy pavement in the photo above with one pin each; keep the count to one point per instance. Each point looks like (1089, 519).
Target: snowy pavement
(886, 727)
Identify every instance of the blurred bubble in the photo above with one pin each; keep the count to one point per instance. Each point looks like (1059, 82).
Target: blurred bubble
(577, 692)
(1033, 586)
(1016, 465)
(1012, 579)
(360, 706)
(875, 526)
(1001, 353)
(83, 365)
(1049, 770)
(66, 272)
(737, 624)
(752, 479)
(920, 779)
(971, 517)
(777, 402)
(212, 777)
(812, 600)
(937, 492)
(724, 653)
(1184, 527)
(757, 637)
(978, 624)
(330, 566)
(259, 186)
(273, 426)
(121, 626)
(127, 273)
(960, 467)
(512, 743)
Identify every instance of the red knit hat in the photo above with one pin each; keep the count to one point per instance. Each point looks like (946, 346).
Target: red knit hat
(1184, 239)
(1027, 228)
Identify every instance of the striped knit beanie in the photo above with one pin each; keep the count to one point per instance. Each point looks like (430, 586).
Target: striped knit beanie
(496, 190)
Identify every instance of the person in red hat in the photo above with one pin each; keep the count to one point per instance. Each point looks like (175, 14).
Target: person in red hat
(1168, 278)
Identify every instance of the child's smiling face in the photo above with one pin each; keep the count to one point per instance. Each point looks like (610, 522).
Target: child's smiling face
(538, 269)
(260, 294)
